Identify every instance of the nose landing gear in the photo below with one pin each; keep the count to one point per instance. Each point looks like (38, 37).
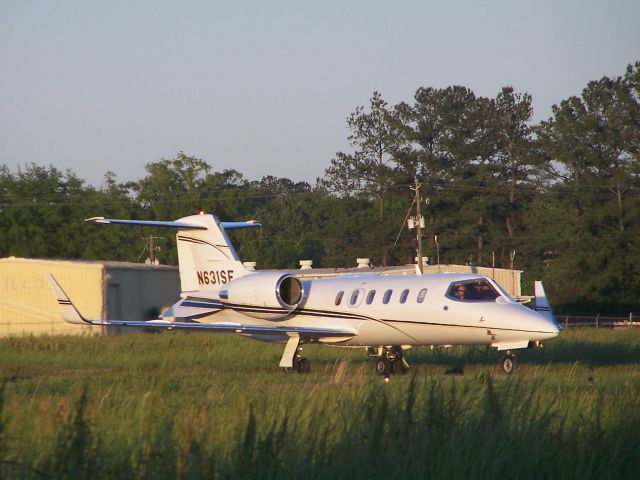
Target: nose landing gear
(390, 360)
(508, 363)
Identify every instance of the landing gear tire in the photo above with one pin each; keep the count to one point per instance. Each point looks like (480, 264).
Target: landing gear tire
(391, 361)
(384, 366)
(399, 366)
(301, 365)
(508, 363)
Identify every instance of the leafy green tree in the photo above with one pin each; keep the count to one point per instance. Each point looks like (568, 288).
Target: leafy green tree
(370, 171)
(520, 170)
(477, 161)
(449, 149)
(113, 200)
(226, 195)
(594, 140)
(289, 231)
(41, 212)
(173, 187)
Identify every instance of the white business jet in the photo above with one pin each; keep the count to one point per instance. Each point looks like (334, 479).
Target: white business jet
(384, 313)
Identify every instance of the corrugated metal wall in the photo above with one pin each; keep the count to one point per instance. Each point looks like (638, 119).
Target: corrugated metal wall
(99, 290)
(140, 293)
(27, 304)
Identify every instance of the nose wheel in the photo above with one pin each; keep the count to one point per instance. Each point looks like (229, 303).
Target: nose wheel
(384, 366)
(508, 363)
(391, 361)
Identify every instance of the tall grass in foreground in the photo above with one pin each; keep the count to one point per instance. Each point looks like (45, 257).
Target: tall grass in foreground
(173, 406)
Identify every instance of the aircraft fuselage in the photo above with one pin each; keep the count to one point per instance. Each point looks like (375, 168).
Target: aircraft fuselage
(405, 310)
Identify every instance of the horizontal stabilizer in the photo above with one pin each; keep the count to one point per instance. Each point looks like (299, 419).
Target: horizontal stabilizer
(203, 248)
(147, 223)
(235, 225)
(178, 225)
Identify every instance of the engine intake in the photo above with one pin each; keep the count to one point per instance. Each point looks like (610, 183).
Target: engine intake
(265, 295)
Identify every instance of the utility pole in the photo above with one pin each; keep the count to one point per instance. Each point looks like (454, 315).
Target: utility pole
(153, 260)
(419, 224)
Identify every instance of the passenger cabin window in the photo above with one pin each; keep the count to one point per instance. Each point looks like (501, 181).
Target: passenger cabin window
(387, 296)
(339, 297)
(370, 296)
(480, 291)
(354, 297)
(404, 295)
(421, 294)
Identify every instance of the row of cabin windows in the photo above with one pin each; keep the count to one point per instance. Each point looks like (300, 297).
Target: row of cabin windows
(386, 297)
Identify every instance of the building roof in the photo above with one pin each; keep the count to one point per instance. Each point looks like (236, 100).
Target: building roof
(106, 264)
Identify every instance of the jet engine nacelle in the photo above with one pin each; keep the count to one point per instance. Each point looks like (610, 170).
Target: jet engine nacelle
(265, 295)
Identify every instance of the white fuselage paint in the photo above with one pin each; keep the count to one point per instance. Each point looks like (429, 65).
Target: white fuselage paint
(438, 320)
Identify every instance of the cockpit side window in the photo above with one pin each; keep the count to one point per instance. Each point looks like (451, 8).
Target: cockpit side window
(477, 291)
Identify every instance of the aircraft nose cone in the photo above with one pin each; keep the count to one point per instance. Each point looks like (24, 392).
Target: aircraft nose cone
(547, 327)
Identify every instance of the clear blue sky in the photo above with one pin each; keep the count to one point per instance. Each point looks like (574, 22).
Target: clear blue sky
(265, 87)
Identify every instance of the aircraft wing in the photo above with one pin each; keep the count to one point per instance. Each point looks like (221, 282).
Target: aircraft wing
(276, 330)
(71, 314)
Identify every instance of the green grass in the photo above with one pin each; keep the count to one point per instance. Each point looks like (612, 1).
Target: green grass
(216, 406)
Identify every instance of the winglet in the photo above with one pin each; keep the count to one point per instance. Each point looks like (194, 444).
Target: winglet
(542, 304)
(69, 312)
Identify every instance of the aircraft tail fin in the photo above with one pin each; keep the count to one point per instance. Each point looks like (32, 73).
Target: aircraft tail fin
(206, 256)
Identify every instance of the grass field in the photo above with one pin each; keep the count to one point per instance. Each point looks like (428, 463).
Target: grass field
(216, 406)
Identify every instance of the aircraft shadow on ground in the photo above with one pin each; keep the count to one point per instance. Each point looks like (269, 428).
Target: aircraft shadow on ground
(590, 353)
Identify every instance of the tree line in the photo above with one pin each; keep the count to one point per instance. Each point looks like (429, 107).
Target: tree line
(558, 199)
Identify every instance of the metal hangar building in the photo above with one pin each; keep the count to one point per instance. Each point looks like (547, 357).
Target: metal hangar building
(99, 289)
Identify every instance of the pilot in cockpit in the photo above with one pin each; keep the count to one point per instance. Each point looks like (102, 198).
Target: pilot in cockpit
(460, 291)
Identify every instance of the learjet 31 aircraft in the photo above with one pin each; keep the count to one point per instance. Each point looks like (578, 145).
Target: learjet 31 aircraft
(384, 313)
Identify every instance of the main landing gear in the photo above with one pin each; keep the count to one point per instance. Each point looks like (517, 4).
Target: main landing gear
(292, 359)
(301, 364)
(508, 363)
(389, 360)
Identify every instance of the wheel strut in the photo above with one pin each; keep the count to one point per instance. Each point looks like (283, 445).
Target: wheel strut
(292, 359)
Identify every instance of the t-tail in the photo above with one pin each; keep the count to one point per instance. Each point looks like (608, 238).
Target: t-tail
(206, 256)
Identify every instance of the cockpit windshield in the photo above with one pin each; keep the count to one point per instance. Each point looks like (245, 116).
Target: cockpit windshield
(475, 291)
